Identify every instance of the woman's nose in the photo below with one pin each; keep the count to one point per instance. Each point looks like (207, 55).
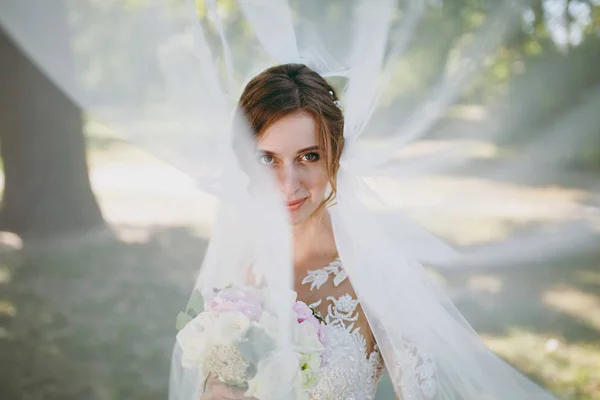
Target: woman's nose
(289, 180)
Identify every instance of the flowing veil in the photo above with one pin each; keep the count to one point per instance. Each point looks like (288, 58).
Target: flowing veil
(167, 77)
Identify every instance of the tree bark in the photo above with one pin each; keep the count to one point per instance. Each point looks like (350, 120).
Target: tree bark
(47, 192)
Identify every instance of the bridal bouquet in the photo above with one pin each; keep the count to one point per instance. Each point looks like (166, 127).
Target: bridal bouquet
(234, 338)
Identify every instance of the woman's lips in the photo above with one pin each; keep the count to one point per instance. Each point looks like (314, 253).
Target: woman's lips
(296, 204)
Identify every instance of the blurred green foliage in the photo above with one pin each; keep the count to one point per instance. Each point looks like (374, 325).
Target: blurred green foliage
(529, 61)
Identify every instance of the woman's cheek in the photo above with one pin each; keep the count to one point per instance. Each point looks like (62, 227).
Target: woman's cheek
(317, 178)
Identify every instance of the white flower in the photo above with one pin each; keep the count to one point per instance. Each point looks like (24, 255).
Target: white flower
(306, 338)
(309, 348)
(275, 377)
(227, 363)
(229, 327)
(310, 364)
(193, 339)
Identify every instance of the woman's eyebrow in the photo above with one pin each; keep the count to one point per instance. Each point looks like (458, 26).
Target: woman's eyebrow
(311, 148)
(265, 152)
(271, 153)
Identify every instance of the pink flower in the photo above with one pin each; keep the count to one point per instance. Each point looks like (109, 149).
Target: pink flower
(246, 301)
(304, 313)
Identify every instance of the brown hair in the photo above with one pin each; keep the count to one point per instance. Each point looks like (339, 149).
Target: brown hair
(289, 88)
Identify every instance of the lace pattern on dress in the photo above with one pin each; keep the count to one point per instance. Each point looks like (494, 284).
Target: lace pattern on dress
(414, 373)
(351, 372)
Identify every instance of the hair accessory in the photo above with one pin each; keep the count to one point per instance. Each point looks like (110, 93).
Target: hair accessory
(337, 103)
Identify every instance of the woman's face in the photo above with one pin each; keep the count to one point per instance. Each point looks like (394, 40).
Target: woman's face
(290, 146)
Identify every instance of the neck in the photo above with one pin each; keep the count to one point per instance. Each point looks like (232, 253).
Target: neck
(314, 238)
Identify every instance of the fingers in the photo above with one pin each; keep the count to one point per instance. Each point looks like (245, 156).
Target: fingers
(217, 390)
(223, 392)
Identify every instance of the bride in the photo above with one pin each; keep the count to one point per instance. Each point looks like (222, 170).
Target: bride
(297, 122)
(310, 228)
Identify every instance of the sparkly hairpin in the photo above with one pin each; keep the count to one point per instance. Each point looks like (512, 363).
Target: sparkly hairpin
(337, 103)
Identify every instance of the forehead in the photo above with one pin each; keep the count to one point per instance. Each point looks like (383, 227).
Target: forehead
(289, 134)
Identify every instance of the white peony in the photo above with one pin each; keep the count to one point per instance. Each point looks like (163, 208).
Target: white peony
(310, 349)
(229, 327)
(193, 339)
(306, 338)
(205, 331)
(307, 379)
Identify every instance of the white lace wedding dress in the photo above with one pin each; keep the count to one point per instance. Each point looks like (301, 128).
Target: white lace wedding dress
(352, 372)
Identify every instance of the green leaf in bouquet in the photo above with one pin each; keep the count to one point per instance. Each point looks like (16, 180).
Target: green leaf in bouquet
(182, 320)
(195, 305)
(255, 345)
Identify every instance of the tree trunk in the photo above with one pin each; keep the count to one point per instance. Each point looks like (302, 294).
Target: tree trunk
(47, 191)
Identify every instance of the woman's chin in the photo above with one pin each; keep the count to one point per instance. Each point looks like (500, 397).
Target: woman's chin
(300, 215)
(297, 218)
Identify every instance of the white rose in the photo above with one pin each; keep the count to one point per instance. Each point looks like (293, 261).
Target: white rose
(193, 339)
(306, 338)
(229, 327)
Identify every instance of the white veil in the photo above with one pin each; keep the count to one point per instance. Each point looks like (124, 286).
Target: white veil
(169, 84)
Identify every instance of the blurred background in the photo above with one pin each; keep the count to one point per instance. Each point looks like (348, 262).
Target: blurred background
(100, 241)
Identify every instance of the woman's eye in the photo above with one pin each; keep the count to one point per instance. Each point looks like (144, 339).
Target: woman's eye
(266, 159)
(310, 157)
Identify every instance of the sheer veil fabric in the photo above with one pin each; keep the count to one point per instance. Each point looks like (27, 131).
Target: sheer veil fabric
(169, 84)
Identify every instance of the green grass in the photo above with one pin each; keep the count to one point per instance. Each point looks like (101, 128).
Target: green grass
(98, 321)
(544, 319)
